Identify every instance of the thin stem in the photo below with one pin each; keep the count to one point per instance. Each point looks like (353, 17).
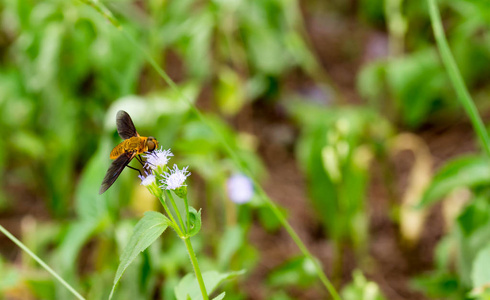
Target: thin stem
(318, 268)
(186, 202)
(167, 210)
(172, 201)
(40, 261)
(338, 261)
(106, 13)
(456, 78)
(193, 258)
(188, 245)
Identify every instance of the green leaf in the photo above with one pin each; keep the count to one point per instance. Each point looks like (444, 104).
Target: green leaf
(9, 276)
(470, 171)
(439, 284)
(89, 204)
(475, 216)
(195, 221)
(220, 296)
(229, 94)
(188, 287)
(76, 236)
(473, 234)
(232, 240)
(268, 218)
(370, 81)
(298, 271)
(148, 229)
(480, 276)
(417, 81)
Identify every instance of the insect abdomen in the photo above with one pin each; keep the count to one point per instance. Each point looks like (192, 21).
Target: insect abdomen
(117, 151)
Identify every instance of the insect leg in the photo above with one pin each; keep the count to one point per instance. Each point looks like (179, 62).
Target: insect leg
(138, 158)
(146, 164)
(134, 169)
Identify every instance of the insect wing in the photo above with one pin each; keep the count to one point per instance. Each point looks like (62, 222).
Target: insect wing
(114, 170)
(125, 126)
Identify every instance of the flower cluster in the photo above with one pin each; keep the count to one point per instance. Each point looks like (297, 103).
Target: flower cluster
(173, 179)
(157, 160)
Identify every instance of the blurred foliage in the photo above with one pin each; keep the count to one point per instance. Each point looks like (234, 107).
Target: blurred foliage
(416, 81)
(65, 71)
(361, 288)
(335, 150)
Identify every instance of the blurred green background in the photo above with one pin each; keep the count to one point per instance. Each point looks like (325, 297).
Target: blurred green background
(341, 109)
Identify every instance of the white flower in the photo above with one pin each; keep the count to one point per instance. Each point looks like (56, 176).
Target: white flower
(175, 179)
(240, 188)
(147, 180)
(150, 182)
(157, 158)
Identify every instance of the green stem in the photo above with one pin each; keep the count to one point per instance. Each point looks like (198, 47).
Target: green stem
(338, 262)
(176, 209)
(193, 258)
(187, 242)
(40, 261)
(106, 13)
(188, 245)
(186, 202)
(456, 78)
(169, 213)
(302, 247)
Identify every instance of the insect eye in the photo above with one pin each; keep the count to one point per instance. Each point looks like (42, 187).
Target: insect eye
(151, 145)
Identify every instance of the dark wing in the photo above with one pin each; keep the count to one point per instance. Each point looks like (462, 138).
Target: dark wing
(114, 170)
(125, 126)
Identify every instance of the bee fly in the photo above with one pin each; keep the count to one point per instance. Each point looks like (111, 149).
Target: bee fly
(133, 145)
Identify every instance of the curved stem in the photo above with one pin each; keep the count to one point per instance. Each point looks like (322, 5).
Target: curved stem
(40, 261)
(193, 258)
(318, 268)
(188, 245)
(176, 209)
(169, 213)
(456, 78)
(186, 202)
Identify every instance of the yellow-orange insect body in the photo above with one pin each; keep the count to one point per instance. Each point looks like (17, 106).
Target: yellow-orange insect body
(135, 145)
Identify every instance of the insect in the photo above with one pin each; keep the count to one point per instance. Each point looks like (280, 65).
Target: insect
(132, 146)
